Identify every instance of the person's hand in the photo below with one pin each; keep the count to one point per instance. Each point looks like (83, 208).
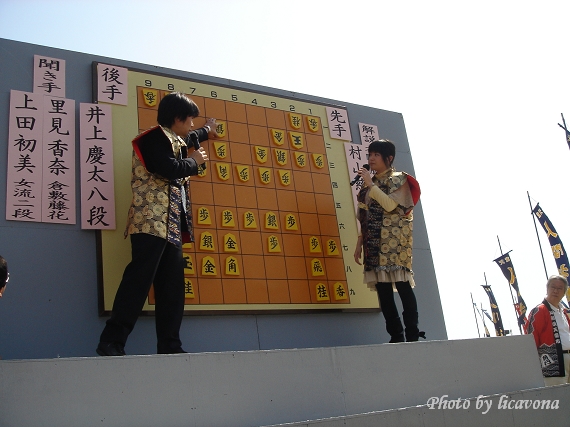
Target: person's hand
(366, 177)
(199, 155)
(211, 122)
(358, 251)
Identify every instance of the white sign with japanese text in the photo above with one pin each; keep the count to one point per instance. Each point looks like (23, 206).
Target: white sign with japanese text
(96, 160)
(49, 76)
(339, 126)
(58, 183)
(368, 134)
(355, 158)
(24, 177)
(112, 84)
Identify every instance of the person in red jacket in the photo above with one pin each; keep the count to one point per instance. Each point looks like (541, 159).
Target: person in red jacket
(549, 323)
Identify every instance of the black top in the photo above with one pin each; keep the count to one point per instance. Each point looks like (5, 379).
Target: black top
(158, 157)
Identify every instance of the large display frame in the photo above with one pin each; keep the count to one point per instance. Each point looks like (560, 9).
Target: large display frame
(305, 267)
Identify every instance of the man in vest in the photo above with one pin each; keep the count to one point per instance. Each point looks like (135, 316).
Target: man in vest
(159, 222)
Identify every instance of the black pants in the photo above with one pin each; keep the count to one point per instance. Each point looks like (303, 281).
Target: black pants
(154, 260)
(390, 311)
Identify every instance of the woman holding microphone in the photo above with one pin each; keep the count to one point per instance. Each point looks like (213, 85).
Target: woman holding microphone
(385, 206)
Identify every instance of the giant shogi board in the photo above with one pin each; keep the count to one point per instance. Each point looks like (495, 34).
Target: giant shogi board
(272, 229)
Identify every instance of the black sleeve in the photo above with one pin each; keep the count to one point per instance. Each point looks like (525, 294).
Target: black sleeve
(201, 133)
(159, 158)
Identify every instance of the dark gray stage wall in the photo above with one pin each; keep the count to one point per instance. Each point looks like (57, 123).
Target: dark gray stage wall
(50, 308)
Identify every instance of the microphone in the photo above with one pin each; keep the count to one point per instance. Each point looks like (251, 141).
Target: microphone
(194, 140)
(358, 177)
(196, 144)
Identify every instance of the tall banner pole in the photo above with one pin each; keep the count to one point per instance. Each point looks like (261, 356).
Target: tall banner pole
(517, 314)
(475, 314)
(563, 126)
(497, 320)
(487, 334)
(537, 237)
(558, 251)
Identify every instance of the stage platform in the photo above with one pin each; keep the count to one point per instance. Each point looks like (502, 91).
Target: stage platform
(386, 384)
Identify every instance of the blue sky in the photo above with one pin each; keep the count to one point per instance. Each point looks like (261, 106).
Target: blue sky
(481, 86)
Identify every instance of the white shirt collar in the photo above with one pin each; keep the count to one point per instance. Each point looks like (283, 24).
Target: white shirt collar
(559, 308)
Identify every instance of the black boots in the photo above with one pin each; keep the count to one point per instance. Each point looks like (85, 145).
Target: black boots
(389, 310)
(412, 331)
(395, 329)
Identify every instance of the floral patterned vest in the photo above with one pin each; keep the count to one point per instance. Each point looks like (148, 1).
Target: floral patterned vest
(387, 236)
(156, 207)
